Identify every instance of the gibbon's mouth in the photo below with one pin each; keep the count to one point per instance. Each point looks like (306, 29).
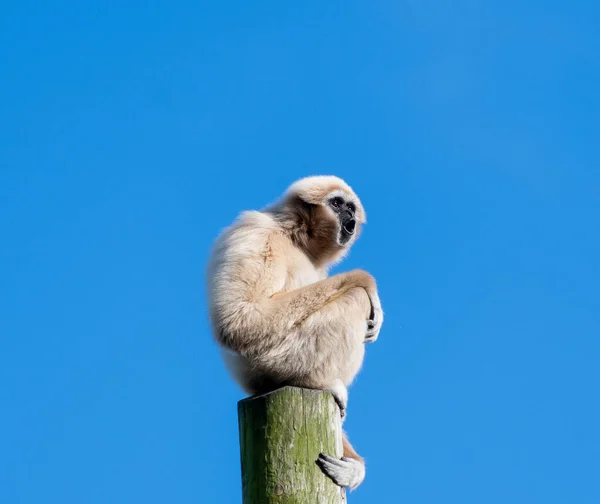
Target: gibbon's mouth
(347, 229)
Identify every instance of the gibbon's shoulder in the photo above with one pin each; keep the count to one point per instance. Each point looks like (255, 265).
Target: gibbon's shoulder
(252, 226)
(256, 220)
(246, 236)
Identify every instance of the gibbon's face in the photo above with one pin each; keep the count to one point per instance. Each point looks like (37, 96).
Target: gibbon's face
(345, 212)
(330, 212)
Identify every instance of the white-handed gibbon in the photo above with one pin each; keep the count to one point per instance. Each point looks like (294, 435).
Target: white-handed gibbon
(277, 317)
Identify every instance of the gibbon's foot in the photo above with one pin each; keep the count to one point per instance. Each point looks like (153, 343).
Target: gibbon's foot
(341, 406)
(340, 395)
(344, 472)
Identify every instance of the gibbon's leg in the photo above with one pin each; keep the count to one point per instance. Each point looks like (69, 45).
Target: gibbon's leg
(340, 394)
(349, 471)
(263, 330)
(321, 349)
(320, 345)
(333, 349)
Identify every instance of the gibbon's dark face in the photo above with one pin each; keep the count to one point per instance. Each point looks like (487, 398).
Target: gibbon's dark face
(346, 214)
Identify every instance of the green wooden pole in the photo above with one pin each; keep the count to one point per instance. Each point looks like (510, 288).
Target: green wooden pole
(281, 436)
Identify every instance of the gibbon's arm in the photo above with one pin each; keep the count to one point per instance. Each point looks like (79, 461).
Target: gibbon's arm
(299, 304)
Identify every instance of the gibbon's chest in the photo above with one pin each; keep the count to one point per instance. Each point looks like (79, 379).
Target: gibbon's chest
(300, 271)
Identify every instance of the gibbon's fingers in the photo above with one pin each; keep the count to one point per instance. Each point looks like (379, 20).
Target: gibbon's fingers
(371, 335)
(375, 320)
(344, 472)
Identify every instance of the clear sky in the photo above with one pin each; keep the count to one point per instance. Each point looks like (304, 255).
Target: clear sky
(132, 132)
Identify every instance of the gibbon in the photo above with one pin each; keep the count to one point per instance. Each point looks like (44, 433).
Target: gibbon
(278, 318)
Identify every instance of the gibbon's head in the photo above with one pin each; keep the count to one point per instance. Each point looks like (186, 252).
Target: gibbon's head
(328, 215)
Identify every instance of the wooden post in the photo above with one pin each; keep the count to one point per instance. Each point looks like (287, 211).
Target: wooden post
(281, 436)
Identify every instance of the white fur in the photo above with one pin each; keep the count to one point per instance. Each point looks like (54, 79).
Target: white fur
(276, 315)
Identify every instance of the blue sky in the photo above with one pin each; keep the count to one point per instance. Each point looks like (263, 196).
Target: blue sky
(132, 132)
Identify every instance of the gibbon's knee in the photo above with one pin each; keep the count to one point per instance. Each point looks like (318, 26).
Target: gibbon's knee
(362, 278)
(342, 317)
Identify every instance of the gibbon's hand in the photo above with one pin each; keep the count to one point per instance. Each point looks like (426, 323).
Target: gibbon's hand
(375, 319)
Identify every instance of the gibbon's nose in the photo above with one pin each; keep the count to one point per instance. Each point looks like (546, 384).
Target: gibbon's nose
(349, 226)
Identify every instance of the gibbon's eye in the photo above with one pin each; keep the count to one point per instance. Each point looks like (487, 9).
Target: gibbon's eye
(351, 207)
(336, 202)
